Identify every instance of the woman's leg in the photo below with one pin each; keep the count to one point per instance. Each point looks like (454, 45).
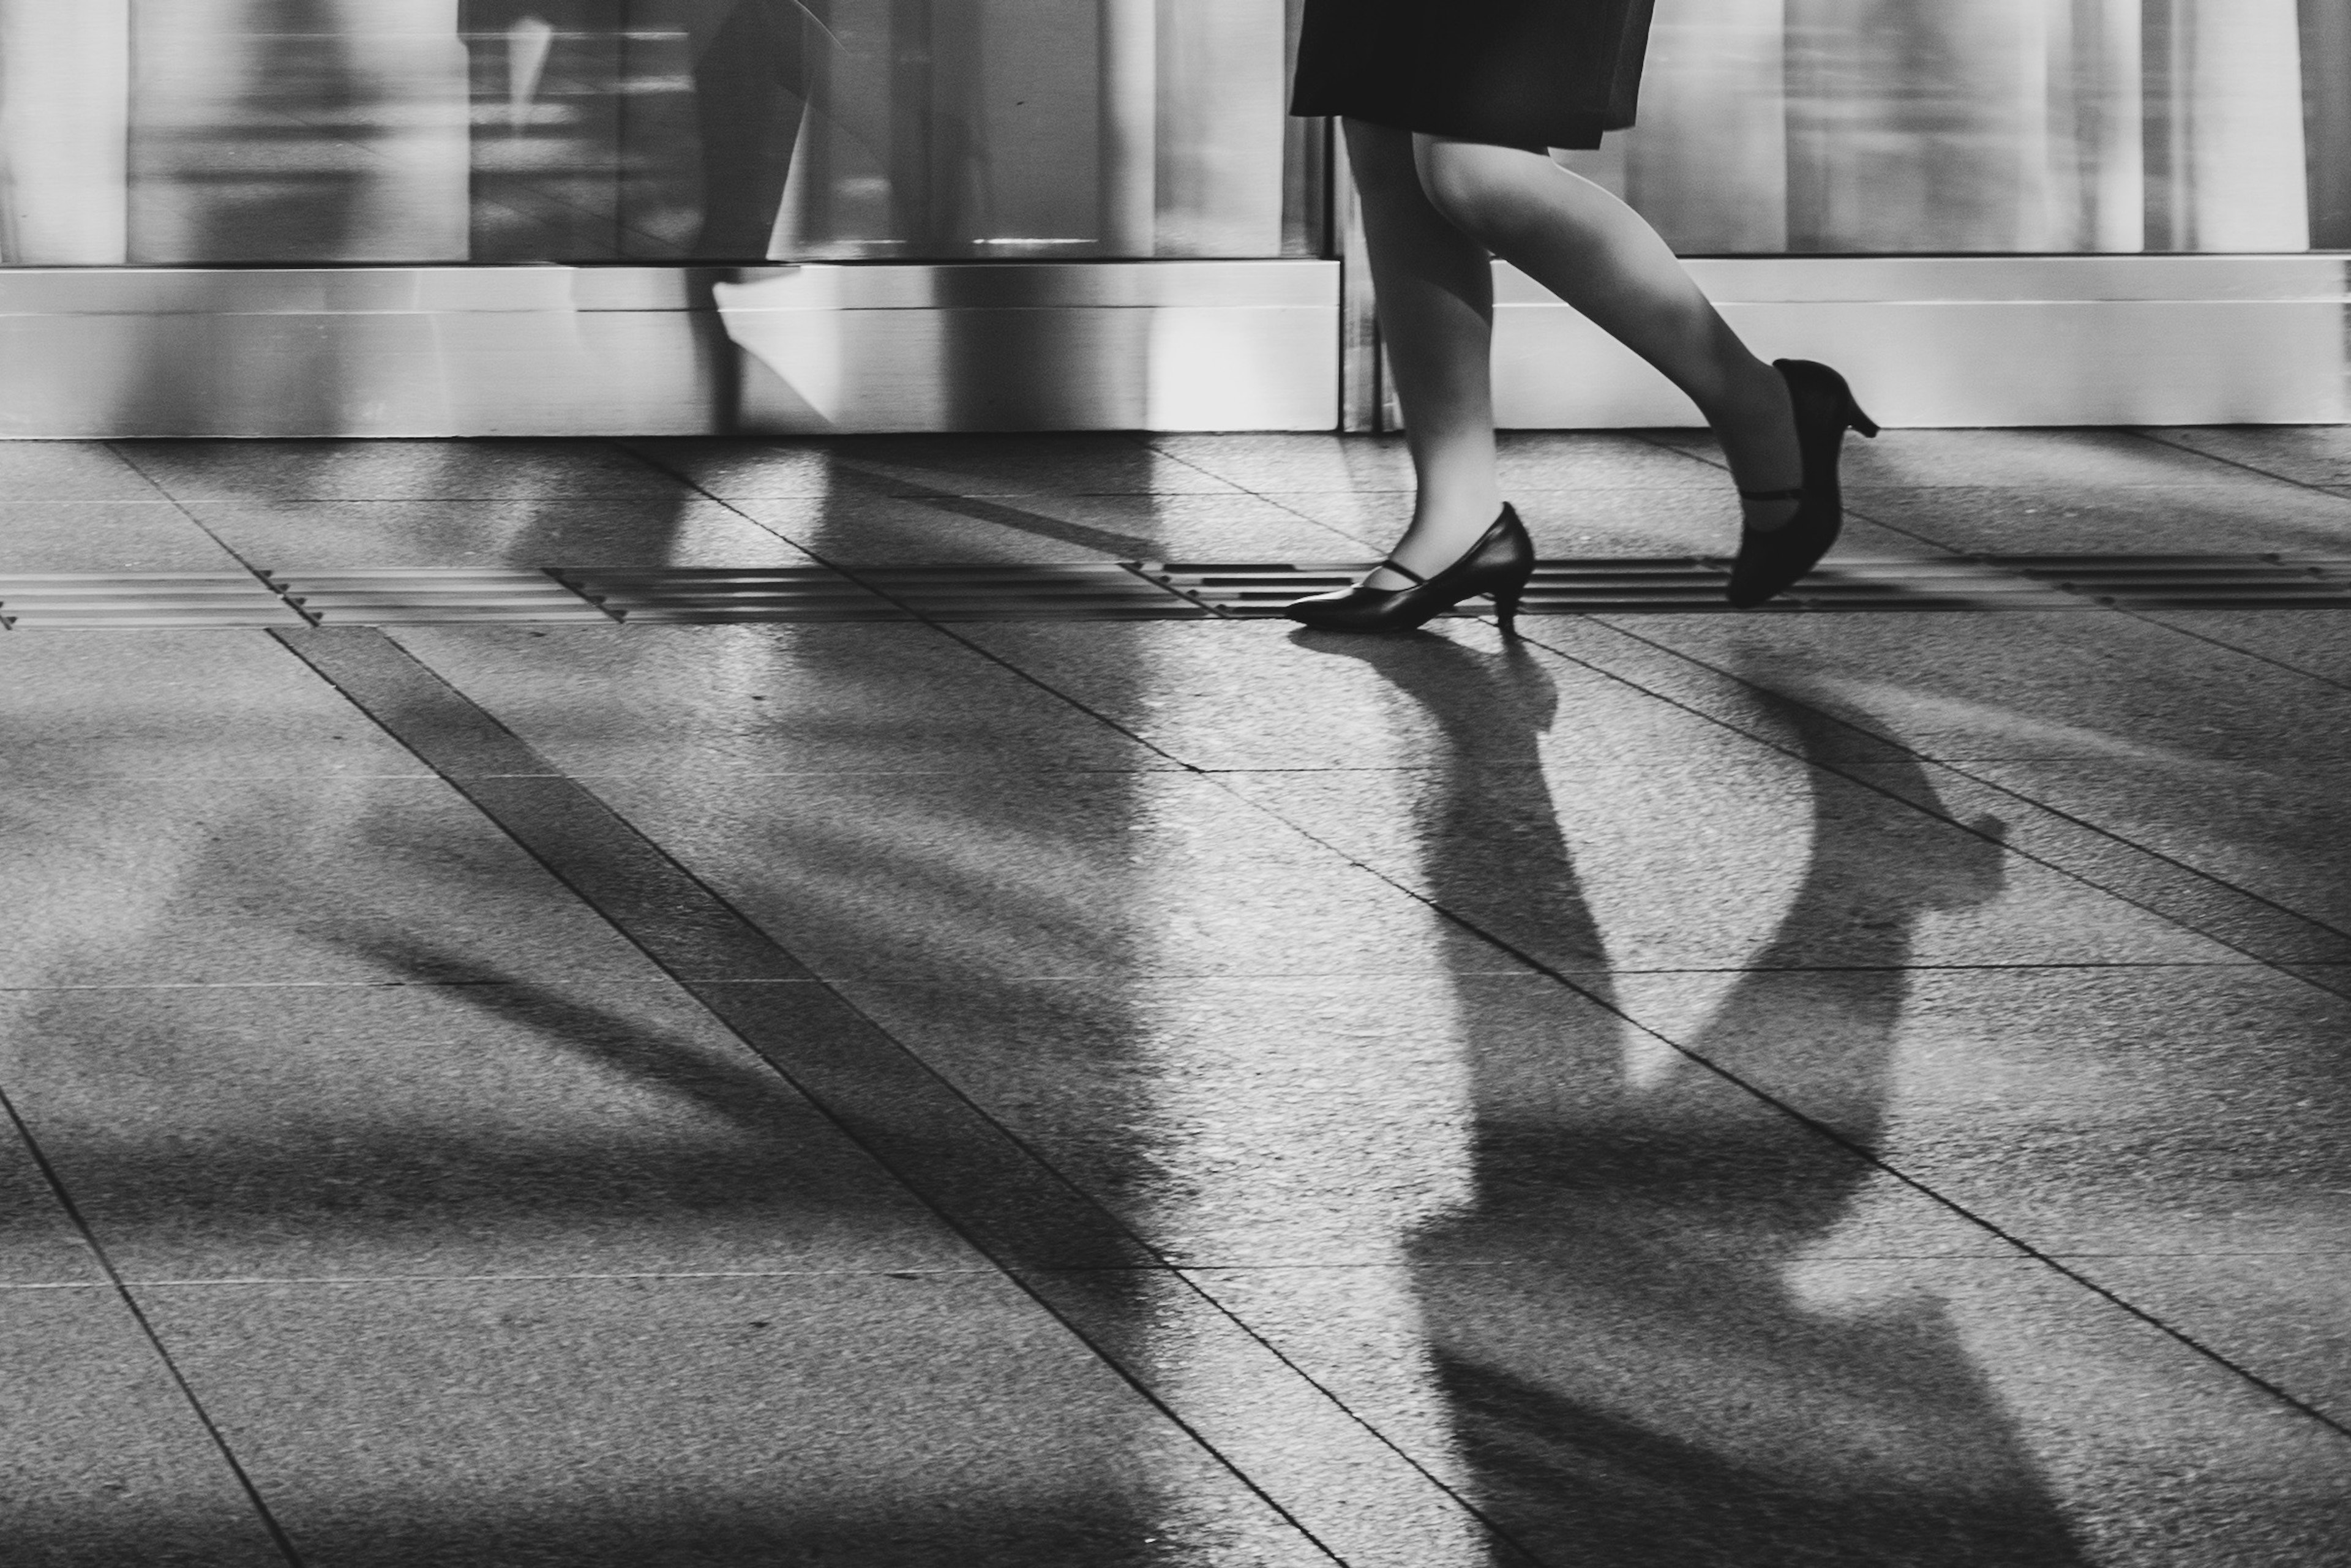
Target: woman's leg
(1601, 257)
(1436, 312)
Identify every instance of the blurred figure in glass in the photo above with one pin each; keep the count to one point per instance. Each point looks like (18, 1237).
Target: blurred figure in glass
(751, 60)
(1450, 111)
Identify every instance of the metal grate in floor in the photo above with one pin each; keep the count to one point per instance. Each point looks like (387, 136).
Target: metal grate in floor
(727, 594)
(1156, 590)
(1694, 584)
(2195, 581)
(1107, 591)
(410, 597)
(90, 598)
(1634, 585)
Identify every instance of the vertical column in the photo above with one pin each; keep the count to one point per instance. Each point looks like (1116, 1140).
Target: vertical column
(1129, 126)
(1712, 174)
(2109, 118)
(407, 65)
(65, 130)
(2224, 132)
(2326, 96)
(1219, 165)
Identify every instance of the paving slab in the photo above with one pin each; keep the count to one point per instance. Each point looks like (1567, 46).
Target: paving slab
(298, 1132)
(2142, 869)
(2152, 1109)
(40, 1244)
(146, 535)
(1838, 723)
(859, 529)
(1270, 695)
(930, 465)
(393, 470)
(2094, 1115)
(106, 1462)
(1593, 521)
(2275, 828)
(168, 704)
(73, 471)
(1627, 1406)
(1764, 864)
(556, 530)
(2314, 642)
(2043, 687)
(719, 701)
(1529, 459)
(2284, 1316)
(870, 1418)
(1293, 460)
(257, 881)
(2254, 514)
(1316, 1122)
(1000, 875)
(2307, 454)
(2015, 459)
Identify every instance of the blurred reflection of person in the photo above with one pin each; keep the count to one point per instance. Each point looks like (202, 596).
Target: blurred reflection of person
(751, 60)
(1450, 109)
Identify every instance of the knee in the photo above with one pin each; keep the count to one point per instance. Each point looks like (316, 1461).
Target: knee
(1483, 190)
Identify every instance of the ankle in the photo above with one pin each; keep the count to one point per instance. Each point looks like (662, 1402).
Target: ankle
(1443, 530)
(1756, 425)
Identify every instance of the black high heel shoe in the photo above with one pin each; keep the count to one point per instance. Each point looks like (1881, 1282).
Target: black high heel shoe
(1499, 563)
(1771, 560)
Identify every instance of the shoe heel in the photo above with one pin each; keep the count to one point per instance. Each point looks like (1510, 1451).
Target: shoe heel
(1506, 610)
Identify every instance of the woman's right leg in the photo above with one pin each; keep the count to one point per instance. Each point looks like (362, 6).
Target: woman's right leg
(1436, 293)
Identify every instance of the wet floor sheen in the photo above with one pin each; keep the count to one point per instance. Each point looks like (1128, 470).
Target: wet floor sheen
(1678, 1091)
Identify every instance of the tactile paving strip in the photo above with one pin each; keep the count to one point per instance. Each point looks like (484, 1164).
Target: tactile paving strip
(2195, 581)
(409, 597)
(142, 599)
(1676, 585)
(1694, 584)
(1132, 590)
(1109, 590)
(720, 594)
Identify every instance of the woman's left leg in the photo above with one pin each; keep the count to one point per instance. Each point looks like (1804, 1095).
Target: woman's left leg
(1603, 257)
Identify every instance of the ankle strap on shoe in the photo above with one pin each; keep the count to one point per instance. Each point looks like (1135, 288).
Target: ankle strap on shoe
(1796, 495)
(1408, 571)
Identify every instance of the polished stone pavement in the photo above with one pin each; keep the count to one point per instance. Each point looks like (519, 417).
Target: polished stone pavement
(1678, 1090)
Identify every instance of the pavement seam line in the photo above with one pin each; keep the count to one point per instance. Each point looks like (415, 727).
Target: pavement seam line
(2147, 434)
(2153, 619)
(114, 1280)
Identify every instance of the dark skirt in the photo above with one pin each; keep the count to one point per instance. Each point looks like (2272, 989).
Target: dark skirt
(1517, 73)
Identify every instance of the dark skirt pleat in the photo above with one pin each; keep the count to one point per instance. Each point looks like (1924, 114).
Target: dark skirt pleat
(1518, 73)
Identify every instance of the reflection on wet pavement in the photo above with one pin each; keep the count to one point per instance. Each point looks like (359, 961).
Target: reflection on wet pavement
(1677, 1091)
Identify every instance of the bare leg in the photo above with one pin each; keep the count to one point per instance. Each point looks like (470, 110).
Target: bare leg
(1601, 257)
(1436, 312)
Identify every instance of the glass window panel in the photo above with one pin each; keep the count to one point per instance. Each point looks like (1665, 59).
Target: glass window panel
(1883, 126)
(298, 130)
(295, 131)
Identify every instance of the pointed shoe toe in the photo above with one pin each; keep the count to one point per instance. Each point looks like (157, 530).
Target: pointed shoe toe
(1499, 565)
(1357, 609)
